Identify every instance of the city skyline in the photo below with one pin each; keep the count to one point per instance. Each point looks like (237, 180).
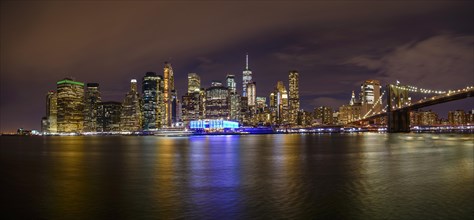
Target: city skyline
(330, 64)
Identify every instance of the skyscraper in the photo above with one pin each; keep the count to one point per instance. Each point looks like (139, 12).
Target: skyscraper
(370, 94)
(247, 76)
(168, 94)
(294, 97)
(70, 104)
(131, 118)
(92, 98)
(152, 102)
(217, 106)
(234, 98)
(51, 112)
(194, 83)
(251, 94)
(281, 96)
(108, 116)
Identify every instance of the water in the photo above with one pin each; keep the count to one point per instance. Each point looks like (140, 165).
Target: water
(343, 176)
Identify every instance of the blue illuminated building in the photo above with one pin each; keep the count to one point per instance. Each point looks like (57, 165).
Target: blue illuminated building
(213, 124)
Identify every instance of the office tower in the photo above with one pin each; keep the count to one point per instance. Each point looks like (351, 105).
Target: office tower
(51, 112)
(44, 124)
(251, 94)
(244, 111)
(231, 84)
(191, 107)
(261, 103)
(202, 103)
(108, 116)
(280, 96)
(217, 106)
(457, 117)
(131, 117)
(351, 112)
(168, 94)
(294, 97)
(194, 83)
(323, 115)
(247, 76)
(70, 103)
(152, 102)
(234, 98)
(370, 94)
(92, 98)
(175, 108)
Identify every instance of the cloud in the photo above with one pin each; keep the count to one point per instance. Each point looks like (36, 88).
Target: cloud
(439, 62)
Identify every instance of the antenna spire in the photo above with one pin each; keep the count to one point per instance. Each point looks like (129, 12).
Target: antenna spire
(247, 61)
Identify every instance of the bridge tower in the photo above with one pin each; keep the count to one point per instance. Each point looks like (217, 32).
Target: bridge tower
(397, 120)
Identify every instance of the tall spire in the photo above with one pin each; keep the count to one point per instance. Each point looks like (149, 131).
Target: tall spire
(247, 61)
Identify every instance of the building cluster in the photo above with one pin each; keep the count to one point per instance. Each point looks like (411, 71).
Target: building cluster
(76, 107)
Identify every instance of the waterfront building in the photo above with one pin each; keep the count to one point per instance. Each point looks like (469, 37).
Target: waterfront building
(294, 97)
(108, 116)
(169, 95)
(70, 106)
(152, 101)
(92, 98)
(457, 117)
(217, 104)
(323, 115)
(131, 117)
(370, 97)
(351, 112)
(247, 76)
(191, 107)
(231, 84)
(234, 98)
(51, 125)
(194, 83)
(423, 118)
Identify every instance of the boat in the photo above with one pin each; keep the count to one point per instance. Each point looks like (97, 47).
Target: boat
(173, 132)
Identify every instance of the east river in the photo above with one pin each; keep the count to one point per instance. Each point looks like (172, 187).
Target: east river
(279, 176)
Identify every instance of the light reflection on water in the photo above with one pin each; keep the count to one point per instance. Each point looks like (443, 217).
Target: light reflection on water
(348, 176)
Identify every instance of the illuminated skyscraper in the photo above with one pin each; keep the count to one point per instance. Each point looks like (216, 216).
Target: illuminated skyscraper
(51, 112)
(217, 105)
(92, 98)
(323, 115)
(234, 98)
(370, 94)
(247, 76)
(131, 117)
(194, 83)
(282, 103)
(251, 94)
(70, 105)
(108, 117)
(457, 117)
(152, 102)
(294, 97)
(169, 94)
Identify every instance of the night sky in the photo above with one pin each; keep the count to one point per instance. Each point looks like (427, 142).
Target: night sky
(334, 45)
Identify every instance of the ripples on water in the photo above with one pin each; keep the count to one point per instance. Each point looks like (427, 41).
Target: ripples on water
(346, 176)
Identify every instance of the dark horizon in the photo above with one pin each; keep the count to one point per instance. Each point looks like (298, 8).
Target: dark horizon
(335, 46)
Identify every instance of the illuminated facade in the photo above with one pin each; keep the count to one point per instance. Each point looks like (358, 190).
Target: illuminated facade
(423, 118)
(247, 76)
(194, 83)
(217, 104)
(51, 125)
(294, 97)
(251, 94)
(351, 112)
(169, 95)
(370, 95)
(108, 116)
(213, 124)
(92, 98)
(457, 117)
(234, 98)
(190, 107)
(152, 101)
(282, 103)
(323, 115)
(70, 103)
(261, 104)
(131, 117)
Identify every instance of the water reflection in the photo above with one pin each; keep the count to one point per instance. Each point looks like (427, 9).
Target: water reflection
(338, 176)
